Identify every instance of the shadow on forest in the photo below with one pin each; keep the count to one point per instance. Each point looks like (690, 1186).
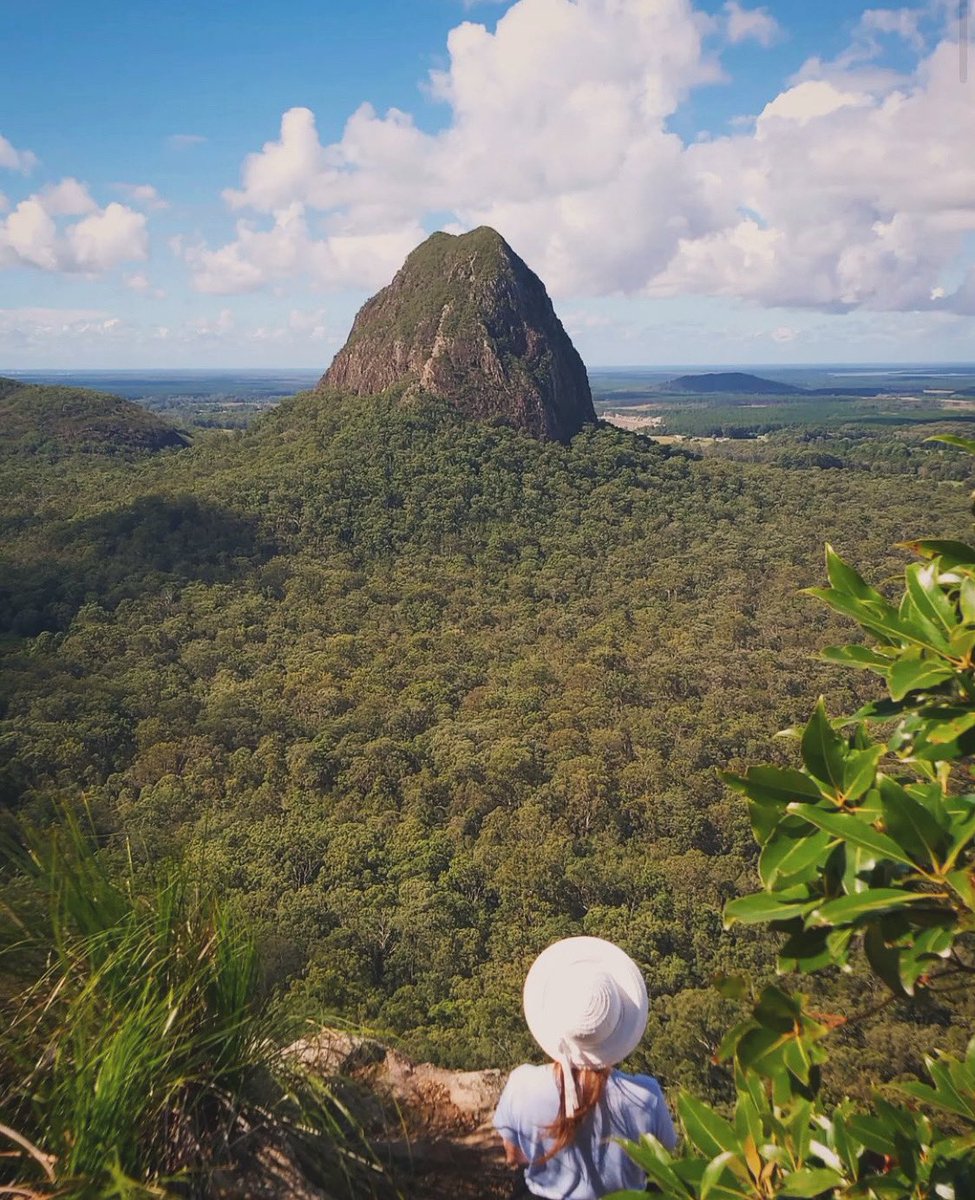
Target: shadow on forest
(127, 552)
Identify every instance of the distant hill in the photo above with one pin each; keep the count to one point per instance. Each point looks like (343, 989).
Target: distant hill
(60, 421)
(730, 381)
(466, 320)
(742, 383)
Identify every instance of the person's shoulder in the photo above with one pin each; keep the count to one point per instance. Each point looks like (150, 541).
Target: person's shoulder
(637, 1085)
(530, 1075)
(528, 1090)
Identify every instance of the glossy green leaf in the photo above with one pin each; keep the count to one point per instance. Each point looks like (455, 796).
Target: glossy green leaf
(951, 553)
(811, 1181)
(910, 823)
(772, 785)
(854, 829)
(806, 950)
(948, 724)
(760, 907)
(656, 1162)
(859, 771)
(966, 599)
(928, 596)
(876, 900)
(873, 1133)
(963, 884)
(856, 656)
(845, 579)
(714, 1173)
(748, 1120)
(918, 626)
(789, 859)
(945, 1092)
(911, 673)
(823, 750)
(881, 619)
(884, 959)
(708, 1131)
(961, 833)
(764, 1050)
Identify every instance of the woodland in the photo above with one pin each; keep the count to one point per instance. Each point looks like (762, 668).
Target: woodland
(416, 695)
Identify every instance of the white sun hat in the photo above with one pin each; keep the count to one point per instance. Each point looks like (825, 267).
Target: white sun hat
(586, 1006)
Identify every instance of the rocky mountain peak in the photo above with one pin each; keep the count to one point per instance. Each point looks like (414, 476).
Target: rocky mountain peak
(466, 320)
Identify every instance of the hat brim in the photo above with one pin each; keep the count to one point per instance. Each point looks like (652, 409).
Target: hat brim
(554, 970)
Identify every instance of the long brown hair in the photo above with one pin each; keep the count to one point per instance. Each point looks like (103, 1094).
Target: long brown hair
(590, 1084)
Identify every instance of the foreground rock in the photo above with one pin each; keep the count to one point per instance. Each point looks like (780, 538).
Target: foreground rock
(467, 321)
(432, 1125)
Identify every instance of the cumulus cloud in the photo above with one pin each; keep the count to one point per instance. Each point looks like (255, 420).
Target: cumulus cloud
(143, 195)
(13, 159)
(37, 234)
(806, 101)
(750, 24)
(854, 187)
(563, 105)
(865, 200)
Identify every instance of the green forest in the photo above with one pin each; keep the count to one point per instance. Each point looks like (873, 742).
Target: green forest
(416, 696)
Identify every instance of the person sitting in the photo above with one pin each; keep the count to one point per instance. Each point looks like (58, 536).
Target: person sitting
(585, 1003)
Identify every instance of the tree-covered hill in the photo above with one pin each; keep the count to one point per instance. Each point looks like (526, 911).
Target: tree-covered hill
(419, 695)
(57, 421)
(737, 382)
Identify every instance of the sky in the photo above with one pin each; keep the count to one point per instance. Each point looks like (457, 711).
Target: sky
(223, 184)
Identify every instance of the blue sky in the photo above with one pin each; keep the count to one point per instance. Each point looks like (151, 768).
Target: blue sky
(725, 182)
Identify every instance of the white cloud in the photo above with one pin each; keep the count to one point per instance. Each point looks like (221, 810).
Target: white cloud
(809, 100)
(310, 324)
(142, 194)
(139, 282)
(902, 22)
(562, 106)
(69, 198)
(36, 234)
(750, 24)
(72, 336)
(183, 141)
(867, 202)
(27, 328)
(855, 187)
(223, 322)
(13, 159)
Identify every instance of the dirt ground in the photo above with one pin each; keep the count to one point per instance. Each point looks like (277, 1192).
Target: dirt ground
(455, 1170)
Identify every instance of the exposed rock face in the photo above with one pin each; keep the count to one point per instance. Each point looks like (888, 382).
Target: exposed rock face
(431, 1100)
(466, 320)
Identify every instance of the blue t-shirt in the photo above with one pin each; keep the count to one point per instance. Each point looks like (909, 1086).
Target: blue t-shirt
(594, 1164)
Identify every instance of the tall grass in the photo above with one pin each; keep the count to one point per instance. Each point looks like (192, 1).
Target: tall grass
(137, 1055)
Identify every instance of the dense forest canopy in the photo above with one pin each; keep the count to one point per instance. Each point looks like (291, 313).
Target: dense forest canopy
(419, 695)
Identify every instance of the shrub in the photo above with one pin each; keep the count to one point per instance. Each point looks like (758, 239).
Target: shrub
(867, 848)
(140, 1057)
